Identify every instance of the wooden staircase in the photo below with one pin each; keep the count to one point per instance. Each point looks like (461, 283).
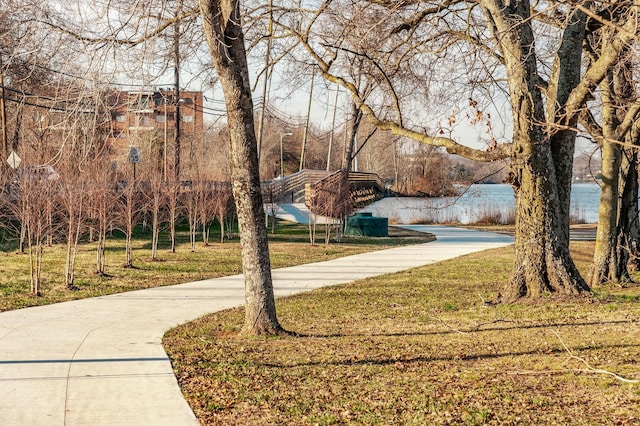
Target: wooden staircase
(315, 187)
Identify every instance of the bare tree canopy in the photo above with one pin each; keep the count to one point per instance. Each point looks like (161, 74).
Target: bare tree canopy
(429, 59)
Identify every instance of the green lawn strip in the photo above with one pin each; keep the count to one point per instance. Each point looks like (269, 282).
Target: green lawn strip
(288, 246)
(420, 347)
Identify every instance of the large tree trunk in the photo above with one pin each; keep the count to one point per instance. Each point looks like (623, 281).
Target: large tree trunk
(566, 75)
(627, 244)
(222, 26)
(605, 263)
(542, 260)
(618, 197)
(347, 162)
(543, 263)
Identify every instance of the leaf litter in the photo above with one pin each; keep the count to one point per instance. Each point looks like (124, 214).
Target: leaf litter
(391, 350)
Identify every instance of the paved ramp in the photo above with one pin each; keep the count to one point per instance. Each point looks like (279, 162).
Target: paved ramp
(299, 213)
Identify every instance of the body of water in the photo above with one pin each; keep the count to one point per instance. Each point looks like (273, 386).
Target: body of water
(478, 202)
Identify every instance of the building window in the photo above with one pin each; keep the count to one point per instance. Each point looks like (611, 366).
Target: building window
(160, 118)
(141, 104)
(143, 120)
(120, 118)
(187, 118)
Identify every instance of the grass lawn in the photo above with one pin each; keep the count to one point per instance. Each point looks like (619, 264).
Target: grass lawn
(289, 246)
(419, 348)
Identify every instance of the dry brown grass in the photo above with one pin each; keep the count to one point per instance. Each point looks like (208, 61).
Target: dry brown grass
(417, 348)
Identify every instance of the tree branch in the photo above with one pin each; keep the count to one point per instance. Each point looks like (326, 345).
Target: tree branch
(597, 71)
(387, 80)
(123, 42)
(589, 367)
(411, 24)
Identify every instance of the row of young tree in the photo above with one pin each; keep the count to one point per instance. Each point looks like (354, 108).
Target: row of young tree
(67, 207)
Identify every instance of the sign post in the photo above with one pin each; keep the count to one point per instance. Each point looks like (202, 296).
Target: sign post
(134, 158)
(14, 160)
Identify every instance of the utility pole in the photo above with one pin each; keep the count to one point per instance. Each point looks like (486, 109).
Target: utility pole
(165, 102)
(3, 114)
(267, 72)
(176, 82)
(333, 127)
(282, 153)
(306, 126)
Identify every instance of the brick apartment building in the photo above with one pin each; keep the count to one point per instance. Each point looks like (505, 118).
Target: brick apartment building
(147, 119)
(139, 113)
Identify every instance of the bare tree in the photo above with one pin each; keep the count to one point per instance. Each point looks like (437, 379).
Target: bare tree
(224, 207)
(130, 206)
(173, 209)
(332, 199)
(223, 28)
(502, 38)
(102, 194)
(156, 194)
(32, 206)
(426, 173)
(617, 235)
(190, 199)
(73, 190)
(207, 208)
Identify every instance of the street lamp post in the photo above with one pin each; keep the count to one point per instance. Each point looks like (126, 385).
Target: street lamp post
(282, 154)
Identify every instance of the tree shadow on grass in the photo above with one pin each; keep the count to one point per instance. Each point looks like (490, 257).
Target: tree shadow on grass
(452, 358)
(477, 329)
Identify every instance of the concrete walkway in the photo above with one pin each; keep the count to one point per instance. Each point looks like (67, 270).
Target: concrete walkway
(100, 361)
(297, 212)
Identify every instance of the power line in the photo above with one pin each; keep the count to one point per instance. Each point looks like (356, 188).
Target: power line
(203, 109)
(25, 102)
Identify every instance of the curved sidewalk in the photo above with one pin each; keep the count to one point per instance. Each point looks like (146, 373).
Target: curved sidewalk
(100, 361)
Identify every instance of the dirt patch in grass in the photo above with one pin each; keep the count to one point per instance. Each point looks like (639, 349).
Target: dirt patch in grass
(420, 347)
